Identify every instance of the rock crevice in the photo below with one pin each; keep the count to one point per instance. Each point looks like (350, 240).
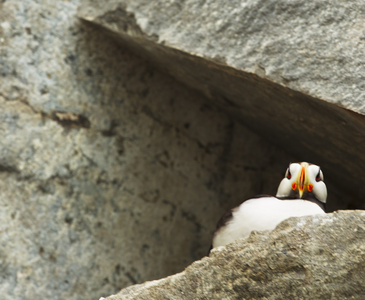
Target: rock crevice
(288, 71)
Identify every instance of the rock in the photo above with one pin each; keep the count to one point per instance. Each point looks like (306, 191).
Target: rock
(309, 47)
(111, 173)
(316, 257)
(291, 71)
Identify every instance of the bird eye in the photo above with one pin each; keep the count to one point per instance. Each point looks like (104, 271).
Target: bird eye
(319, 177)
(288, 174)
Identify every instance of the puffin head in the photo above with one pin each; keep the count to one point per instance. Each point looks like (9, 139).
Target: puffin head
(303, 181)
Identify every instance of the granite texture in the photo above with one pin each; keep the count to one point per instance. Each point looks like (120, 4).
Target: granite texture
(291, 71)
(316, 47)
(111, 173)
(316, 257)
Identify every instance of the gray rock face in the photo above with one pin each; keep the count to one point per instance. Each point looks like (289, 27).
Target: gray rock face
(313, 47)
(316, 257)
(277, 66)
(111, 173)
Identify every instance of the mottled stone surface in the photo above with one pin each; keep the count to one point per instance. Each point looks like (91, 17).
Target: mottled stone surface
(111, 173)
(291, 71)
(316, 46)
(316, 257)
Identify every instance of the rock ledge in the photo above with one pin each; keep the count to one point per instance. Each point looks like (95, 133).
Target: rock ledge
(316, 257)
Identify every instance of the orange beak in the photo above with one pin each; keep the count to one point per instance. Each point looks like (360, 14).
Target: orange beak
(302, 181)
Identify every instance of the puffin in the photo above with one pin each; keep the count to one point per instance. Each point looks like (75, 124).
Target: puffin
(302, 192)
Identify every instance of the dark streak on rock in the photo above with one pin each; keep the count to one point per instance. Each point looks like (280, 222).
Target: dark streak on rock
(111, 130)
(70, 120)
(191, 218)
(131, 278)
(8, 169)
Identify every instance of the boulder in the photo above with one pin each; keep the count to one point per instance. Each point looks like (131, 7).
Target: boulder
(111, 172)
(291, 71)
(315, 257)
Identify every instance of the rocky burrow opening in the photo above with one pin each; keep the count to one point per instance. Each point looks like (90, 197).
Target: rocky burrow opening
(262, 126)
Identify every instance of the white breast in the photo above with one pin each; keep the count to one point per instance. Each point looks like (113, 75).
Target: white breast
(262, 214)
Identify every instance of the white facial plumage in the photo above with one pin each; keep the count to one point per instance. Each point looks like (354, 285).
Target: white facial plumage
(302, 192)
(303, 181)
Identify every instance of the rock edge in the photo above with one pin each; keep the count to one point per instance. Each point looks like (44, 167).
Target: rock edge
(316, 257)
